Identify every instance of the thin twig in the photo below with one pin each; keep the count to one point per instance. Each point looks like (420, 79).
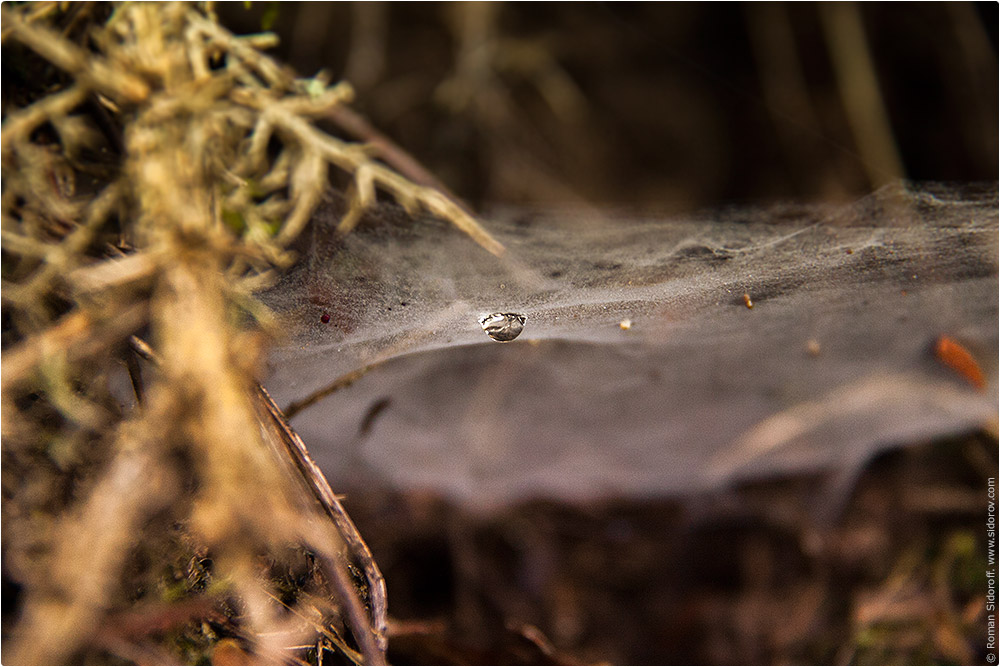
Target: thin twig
(344, 381)
(324, 630)
(135, 374)
(351, 158)
(144, 350)
(321, 490)
(67, 253)
(389, 151)
(371, 640)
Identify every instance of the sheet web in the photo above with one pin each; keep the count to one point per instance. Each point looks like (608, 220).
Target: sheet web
(641, 370)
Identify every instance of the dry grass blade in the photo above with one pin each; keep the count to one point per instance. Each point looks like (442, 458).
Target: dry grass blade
(371, 634)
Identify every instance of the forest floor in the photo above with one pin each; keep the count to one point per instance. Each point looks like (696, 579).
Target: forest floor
(899, 577)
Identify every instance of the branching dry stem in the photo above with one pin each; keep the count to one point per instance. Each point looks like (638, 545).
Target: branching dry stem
(157, 142)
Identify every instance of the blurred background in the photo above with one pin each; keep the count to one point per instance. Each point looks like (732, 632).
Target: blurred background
(670, 106)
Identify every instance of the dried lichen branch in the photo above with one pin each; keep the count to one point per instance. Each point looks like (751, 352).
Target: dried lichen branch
(153, 182)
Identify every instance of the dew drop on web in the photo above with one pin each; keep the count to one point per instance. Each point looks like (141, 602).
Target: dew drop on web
(503, 327)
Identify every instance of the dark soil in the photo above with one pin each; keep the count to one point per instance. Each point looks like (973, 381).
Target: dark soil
(747, 577)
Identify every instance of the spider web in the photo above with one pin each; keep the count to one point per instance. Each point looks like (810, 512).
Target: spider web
(833, 363)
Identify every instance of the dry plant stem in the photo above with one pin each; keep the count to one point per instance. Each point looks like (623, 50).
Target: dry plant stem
(209, 215)
(371, 635)
(241, 478)
(62, 258)
(326, 633)
(135, 375)
(245, 502)
(112, 273)
(321, 490)
(372, 644)
(20, 124)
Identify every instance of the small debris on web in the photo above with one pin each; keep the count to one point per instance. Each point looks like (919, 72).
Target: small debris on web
(954, 355)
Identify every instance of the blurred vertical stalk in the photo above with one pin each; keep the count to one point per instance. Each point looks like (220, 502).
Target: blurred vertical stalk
(367, 55)
(858, 82)
(786, 91)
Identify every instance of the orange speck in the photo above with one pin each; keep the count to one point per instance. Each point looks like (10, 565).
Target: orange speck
(747, 301)
(812, 347)
(954, 355)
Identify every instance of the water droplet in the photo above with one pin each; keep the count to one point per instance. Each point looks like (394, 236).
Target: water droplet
(503, 327)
